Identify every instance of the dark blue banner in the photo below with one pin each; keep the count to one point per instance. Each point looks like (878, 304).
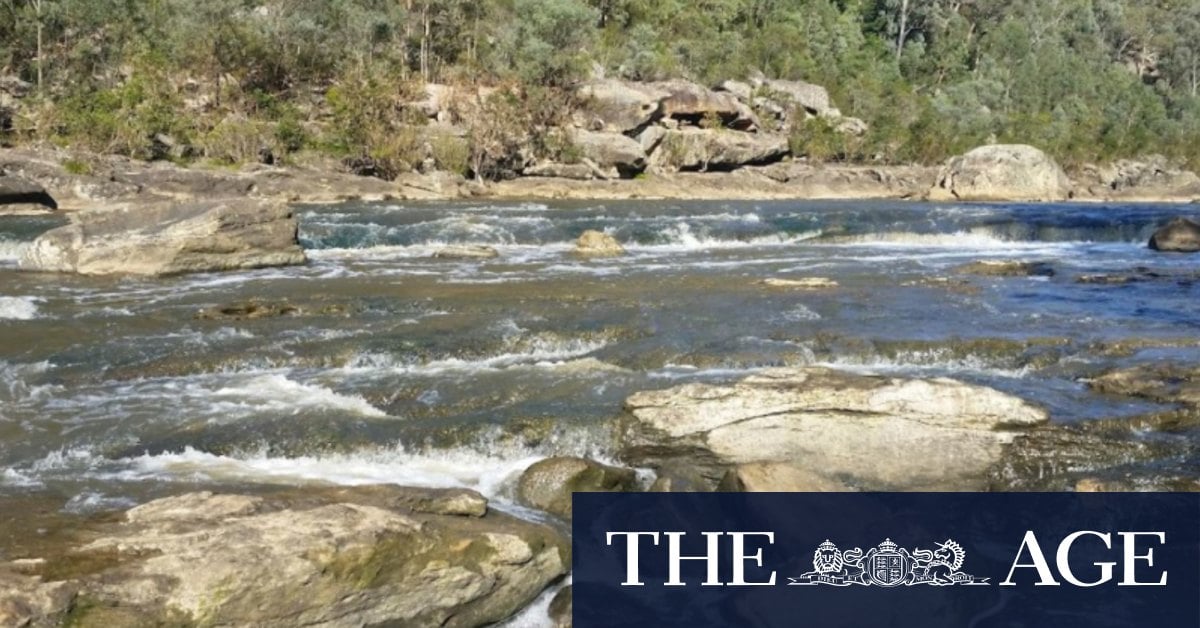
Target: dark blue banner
(978, 560)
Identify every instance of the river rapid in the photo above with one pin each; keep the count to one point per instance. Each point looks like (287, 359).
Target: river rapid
(386, 365)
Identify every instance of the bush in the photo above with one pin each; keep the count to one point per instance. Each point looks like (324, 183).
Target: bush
(451, 154)
(815, 138)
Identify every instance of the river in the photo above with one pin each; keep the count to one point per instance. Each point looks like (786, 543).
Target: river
(387, 365)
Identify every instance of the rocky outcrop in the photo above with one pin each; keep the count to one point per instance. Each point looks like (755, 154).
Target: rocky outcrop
(621, 106)
(709, 149)
(878, 433)
(1012, 172)
(19, 195)
(1152, 177)
(598, 243)
(170, 238)
(811, 98)
(548, 484)
(611, 151)
(1181, 235)
(369, 555)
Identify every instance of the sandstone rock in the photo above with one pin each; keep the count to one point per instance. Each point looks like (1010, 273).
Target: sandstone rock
(622, 107)
(1164, 382)
(1181, 235)
(598, 243)
(814, 99)
(1006, 268)
(709, 149)
(1007, 172)
(777, 477)
(742, 91)
(19, 192)
(313, 557)
(466, 251)
(877, 432)
(611, 150)
(807, 283)
(170, 238)
(691, 103)
(548, 484)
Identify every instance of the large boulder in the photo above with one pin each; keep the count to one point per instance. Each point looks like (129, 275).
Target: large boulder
(611, 151)
(1181, 235)
(598, 244)
(17, 193)
(621, 106)
(1003, 172)
(877, 433)
(712, 149)
(692, 103)
(168, 238)
(373, 555)
(548, 484)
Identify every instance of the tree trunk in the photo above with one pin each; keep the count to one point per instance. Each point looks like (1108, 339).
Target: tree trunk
(38, 8)
(903, 34)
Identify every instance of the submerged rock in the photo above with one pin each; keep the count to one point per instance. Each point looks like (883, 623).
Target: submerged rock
(170, 238)
(877, 432)
(1164, 382)
(466, 251)
(598, 243)
(329, 557)
(994, 268)
(248, 311)
(1012, 172)
(807, 283)
(548, 484)
(1181, 235)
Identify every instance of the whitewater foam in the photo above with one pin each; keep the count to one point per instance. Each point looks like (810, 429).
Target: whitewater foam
(19, 308)
(276, 393)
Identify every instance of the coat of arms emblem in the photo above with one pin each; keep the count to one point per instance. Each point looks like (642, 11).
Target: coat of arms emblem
(888, 565)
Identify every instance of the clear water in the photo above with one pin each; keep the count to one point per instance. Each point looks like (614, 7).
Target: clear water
(402, 368)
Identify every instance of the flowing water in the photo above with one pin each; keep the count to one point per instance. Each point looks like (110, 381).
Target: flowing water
(392, 366)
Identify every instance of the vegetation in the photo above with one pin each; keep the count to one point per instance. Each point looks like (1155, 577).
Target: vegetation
(1087, 80)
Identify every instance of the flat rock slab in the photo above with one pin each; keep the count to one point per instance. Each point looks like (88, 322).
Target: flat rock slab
(870, 432)
(168, 238)
(373, 555)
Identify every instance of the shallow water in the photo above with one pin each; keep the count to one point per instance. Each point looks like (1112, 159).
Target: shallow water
(402, 368)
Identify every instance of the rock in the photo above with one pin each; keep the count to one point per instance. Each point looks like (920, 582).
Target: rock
(1006, 268)
(742, 91)
(1163, 382)
(692, 103)
(17, 191)
(314, 556)
(548, 484)
(560, 608)
(597, 243)
(622, 107)
(713, 149)
(813, 99)
(1181, 235)
(1012, 172)
(807, 283)
(1096, 485)
(170, 238)
(880, 433)
(777, 477)
(14, 86)
(611, 150)
(249, 310)
(651, 137)
(466, 251)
